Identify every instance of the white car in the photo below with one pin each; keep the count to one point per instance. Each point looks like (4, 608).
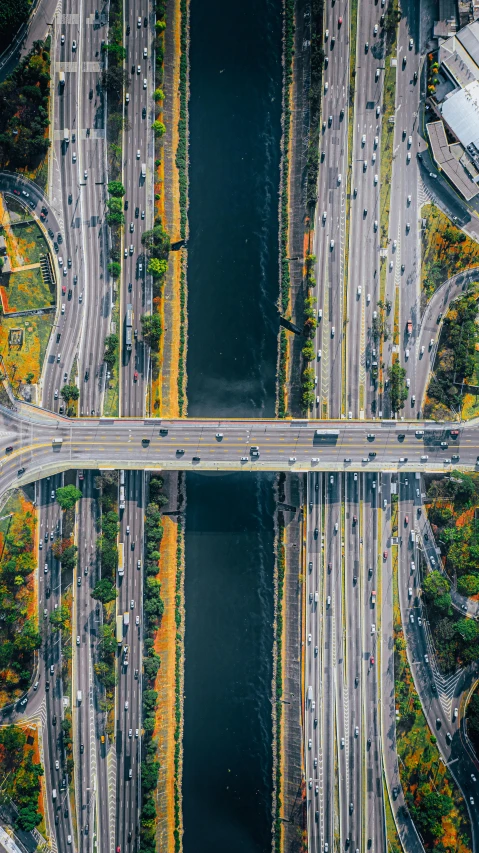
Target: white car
(373, 628)
(57, 765)
(74, 45)
(138, 154)
(406, 354)
(74, 157)
(62, 39)
(78, 641)
(309, 638)
(331, 245)
(375, 225)
(363, 139)
(373, 158)
(127, 98)
(340, 177)
(126, 705)
(375, 179)
(137, 620)
(324, 216)
(136, 732)
(130, 732)
(56, 394)
(145, 53)
(359, 290)
(145, 82)
(409, 141)
(332, 331)
(408, 157)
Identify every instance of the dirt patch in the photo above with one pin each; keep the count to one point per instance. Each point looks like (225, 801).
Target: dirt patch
(164, 392)
(165, 680)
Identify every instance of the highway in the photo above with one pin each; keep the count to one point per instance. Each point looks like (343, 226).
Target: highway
(128, 694)
(330, 225)
(365, 236)
(138, 150)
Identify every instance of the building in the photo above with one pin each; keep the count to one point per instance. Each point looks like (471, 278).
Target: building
(453, 161)
(459, 55)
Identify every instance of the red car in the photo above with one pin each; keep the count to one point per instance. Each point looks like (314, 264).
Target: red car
(406, 520)
(64, 289)
(135, 376)
(385, 555)
(340, 21)
(371, 661)
(17, 192)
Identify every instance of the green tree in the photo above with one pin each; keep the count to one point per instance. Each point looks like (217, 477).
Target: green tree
(468, 585)
(104, 591)
(59, 617)
(157, 267)
(67, 496)
(159, 128)
(151, 327)
(398, 389)
(114, 269)
(70, 392)
(467, 629)
(159, 95)
(435, 584)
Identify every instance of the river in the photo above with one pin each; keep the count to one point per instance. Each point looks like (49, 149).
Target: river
(235, 129)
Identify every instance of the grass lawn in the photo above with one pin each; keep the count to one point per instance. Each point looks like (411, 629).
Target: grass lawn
(445, 250)
(18, 212)
(26, 291)
(20, 361)
(30, 240)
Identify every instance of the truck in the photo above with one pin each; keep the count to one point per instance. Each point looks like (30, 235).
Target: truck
(79, 697)
(61, 78)
(143, 170)
(128, 326)
(66, 135)
(121, 560)
(119, 629)
(126, 618)
(310, 693)
(373, 597)
(54, 794)
(409, 327)
(57, 442)
(413, 536)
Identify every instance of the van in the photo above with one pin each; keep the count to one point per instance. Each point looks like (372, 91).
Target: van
(316, 597)
(54, 794)
(61, 78)
(310, 693)
(79, 697)
(143, 170)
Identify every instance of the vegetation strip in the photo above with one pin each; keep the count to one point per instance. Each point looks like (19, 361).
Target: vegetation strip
(182, 165)
(284, 277)
(280, 568)
(393, 17)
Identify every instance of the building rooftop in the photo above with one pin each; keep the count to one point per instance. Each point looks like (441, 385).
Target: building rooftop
(453, 167)
(460, 111)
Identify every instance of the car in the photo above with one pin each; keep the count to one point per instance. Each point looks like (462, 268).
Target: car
(411, 617)
(57, 765)
(363, 139)
(85, 174)
(138, 154)
(62, 40)
(126, 705)
(356, 731)
(426, 658)
(143, 112)
(406, 520)
(127, 98)
(365, 211)
(366, 47)
(373, 628)
(132, 227)
(331, 245)
(471, 800)
(79, 581)
(411, 44)
(145, 82)
(371, 661)
(74, 45)
(332, 331)
(340, 178)
(132, 604)
(142, 214)
(135, 376)
(385, 554)
(378, 111)
(56, 394)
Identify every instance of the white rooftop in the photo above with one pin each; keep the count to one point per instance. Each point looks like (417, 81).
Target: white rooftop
(461, 112)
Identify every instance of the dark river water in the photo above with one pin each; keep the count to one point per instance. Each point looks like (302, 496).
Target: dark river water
(235, 112)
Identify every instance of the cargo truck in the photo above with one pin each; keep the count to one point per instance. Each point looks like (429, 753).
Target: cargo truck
(119, 629)
(121, 560)
(409, 327)
(126, 618)
(61, 78)
(66, 135)
(373, 597)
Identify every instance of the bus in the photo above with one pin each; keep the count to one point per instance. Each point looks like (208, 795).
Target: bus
(129, 325)
(121, 559)
(119, 630)
(122, 477)
(326, 436)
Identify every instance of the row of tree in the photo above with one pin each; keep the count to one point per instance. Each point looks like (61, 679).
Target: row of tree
(19, 634)
(153, 609)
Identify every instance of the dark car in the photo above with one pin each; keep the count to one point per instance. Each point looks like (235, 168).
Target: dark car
(126, 204)
(47, 685)
(20, 471)
(143, 112)
(87, 375)
(60, 238)
(9, 448)
(54, 720)
(163, 431)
